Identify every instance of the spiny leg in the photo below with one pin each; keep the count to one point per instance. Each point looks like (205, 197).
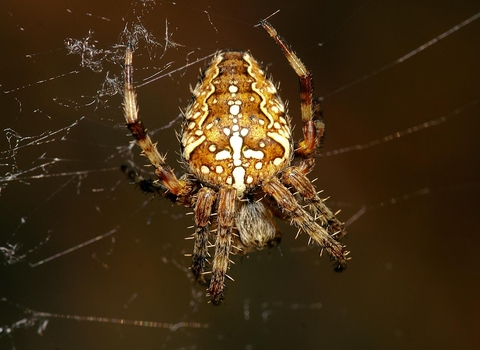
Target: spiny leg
(295, 177)
(223, 244)
(301, 219)
(311, 117)
(130, 109)
(203, 210)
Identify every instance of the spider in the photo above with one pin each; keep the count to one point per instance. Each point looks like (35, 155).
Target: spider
(242, 168)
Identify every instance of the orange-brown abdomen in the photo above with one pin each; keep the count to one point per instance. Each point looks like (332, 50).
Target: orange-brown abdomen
(236, 130)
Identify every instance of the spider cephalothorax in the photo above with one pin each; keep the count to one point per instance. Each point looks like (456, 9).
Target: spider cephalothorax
(242, 167)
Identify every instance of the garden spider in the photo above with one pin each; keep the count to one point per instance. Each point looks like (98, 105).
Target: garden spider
(241, 165)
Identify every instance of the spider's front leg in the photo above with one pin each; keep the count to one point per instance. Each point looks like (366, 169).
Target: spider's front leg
(296, 178)
(130, 108)
(313, 125)
(304, 221)
(203, 210)
(227, 197)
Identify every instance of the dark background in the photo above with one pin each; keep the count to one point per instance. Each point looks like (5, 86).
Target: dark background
(413, 282)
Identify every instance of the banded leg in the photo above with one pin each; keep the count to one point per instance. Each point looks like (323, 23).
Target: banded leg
(296, 177)
(225, 216)
(301, 219)
(203, 210)
(130, 110)
(311, 117)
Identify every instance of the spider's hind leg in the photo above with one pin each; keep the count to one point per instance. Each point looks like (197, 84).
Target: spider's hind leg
(313, 125)
(165, 174)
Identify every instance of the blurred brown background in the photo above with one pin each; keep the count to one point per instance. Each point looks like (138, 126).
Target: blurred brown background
(413, 282)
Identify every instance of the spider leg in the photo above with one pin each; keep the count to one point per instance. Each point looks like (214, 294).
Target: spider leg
(319, 124)
(301, 219)
(203, 210)
(146, 185)
(226, 214)
(295, 177)
(313, 125)
(130, 107)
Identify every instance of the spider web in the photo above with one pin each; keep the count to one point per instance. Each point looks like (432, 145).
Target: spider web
(90, 262)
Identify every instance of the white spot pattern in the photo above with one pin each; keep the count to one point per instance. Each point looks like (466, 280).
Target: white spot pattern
(234, 109)
(270, 106)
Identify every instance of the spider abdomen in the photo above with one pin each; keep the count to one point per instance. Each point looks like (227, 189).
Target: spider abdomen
(236, 131)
